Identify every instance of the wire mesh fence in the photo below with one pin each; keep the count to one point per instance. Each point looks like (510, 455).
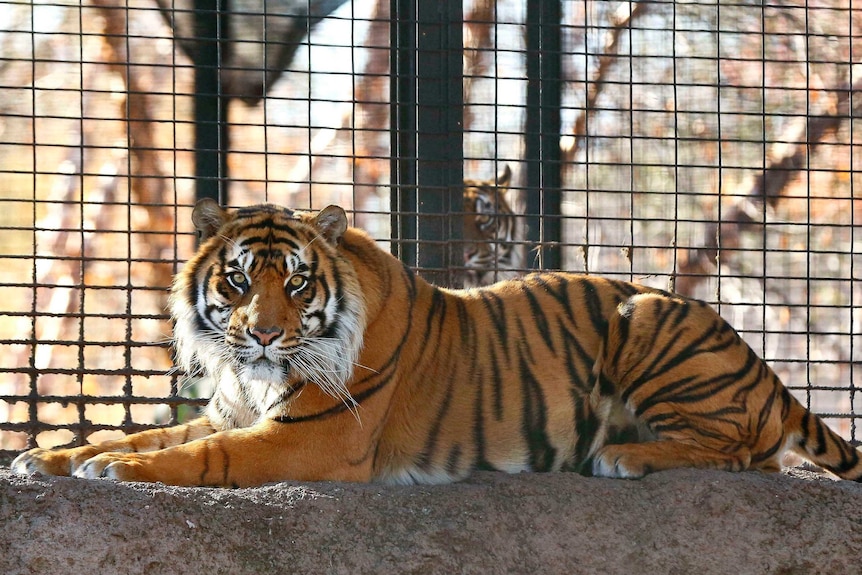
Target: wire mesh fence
(713, 148)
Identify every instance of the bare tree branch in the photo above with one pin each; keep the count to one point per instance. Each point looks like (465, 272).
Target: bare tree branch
(148, 182)
(477, 43)
(766, 188)
(620, 21)
(371, 116)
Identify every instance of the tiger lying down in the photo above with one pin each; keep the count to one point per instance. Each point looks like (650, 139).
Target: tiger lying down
(333, 361)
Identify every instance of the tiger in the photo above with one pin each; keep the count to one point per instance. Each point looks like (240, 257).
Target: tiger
(492, 250)
(332, 360)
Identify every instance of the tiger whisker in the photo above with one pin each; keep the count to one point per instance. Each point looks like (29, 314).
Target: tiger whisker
(353, 363)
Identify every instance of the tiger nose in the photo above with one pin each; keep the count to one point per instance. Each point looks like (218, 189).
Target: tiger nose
(265, 335)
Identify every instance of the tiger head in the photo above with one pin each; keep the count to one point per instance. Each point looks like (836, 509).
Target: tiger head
(490, 242)
(268, 303)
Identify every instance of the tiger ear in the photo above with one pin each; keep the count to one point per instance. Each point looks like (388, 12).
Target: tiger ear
(331, 222)
(208, 217)
(504, 177)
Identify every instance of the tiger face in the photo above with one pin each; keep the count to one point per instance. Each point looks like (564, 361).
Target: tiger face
(491, 249)
(269, 304)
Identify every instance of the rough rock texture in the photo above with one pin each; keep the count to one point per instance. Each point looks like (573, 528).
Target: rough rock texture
(674, 522)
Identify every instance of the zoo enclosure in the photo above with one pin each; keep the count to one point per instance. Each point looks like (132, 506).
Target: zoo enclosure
(712, 148)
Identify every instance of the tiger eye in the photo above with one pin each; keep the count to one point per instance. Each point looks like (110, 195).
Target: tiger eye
(297, 282)
(237, 279)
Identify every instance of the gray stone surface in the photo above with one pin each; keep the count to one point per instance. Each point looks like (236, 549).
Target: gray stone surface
(681, 522)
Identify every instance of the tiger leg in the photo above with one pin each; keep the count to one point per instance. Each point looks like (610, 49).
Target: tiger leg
(684, 374)
(634, 460)
(266, 452)
(648, 451)
(68, 461)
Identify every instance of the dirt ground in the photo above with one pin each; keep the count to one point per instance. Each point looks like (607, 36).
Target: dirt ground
(681, 522)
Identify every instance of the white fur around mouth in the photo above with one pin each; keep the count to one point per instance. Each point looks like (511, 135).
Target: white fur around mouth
(262, 369)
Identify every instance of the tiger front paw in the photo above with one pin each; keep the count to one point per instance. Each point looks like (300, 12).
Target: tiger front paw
(52, 461)
(112, 465)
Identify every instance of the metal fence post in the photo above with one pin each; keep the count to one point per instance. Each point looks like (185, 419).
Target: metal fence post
(210, 106)
(427, 140)
(543, 129)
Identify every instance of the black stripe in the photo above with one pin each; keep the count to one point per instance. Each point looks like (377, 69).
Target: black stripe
(496, 383)
(496, 309)
(262, 210)
(559, 290)
(268, 224)
(423, 459)
(252, 243)
(662, 361)
(820, 448)
(194, 296)
(692, 389)
(786, 399)
(206, 459)
(525, 349)
(622, 334)
(768, 453)
(192, 293)
(335, 409)
(467, 327)
(765, 412)
(849, 456)
(593, 305)
(453, 460)
(437, 310)
(667, 422)
(803, 429)
(479, 429)
(270, 257)
(586, 425)
(537, 312)
(534, 422)
(292, 390)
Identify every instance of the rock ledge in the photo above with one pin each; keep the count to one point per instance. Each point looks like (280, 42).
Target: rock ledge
(682, 522)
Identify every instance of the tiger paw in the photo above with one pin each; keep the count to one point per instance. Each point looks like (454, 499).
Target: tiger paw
(52, 461)
(112, 465)
(609, 462)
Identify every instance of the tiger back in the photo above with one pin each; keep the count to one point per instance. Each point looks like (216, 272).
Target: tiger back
(333, 361)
